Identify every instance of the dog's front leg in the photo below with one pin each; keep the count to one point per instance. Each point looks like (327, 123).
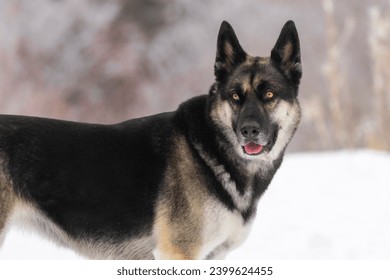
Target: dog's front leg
(175, 242)
(171, 253)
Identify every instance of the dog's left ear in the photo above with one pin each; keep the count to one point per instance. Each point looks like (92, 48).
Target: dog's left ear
(287, 54)
(229, 52)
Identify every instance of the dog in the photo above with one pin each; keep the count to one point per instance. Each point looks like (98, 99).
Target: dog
(176, 185)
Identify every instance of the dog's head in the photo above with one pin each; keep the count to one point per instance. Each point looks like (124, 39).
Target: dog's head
(253, 99)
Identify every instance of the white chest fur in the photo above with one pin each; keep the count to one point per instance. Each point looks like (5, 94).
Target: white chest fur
(224, 230)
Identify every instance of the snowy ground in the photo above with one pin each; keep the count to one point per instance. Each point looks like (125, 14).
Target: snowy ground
(319, 206)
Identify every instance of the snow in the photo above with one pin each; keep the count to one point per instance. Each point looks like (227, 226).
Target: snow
(333, 205)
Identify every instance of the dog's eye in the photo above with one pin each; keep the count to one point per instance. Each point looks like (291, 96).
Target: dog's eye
(269, 95)
(235, 97)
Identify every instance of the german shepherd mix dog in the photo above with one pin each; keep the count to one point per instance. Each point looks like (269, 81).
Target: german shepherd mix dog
(177, 185)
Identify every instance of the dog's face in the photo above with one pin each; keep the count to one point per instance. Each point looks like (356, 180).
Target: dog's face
(253, 99)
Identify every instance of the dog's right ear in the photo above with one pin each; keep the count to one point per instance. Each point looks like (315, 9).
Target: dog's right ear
(229, 52)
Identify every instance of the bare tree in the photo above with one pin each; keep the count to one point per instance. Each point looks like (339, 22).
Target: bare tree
(336, 78)
(379, 42)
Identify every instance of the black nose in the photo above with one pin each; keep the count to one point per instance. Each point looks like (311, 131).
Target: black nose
(250, 129)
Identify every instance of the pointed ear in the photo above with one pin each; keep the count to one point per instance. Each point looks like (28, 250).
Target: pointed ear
(287, 54)
(229, 52)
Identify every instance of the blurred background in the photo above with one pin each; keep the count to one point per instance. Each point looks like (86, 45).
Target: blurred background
(107, 61)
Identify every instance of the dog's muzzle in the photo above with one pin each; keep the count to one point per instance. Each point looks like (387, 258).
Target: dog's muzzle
(255, 139)
(250, 130)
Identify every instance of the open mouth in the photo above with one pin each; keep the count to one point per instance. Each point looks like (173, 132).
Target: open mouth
(252, 149)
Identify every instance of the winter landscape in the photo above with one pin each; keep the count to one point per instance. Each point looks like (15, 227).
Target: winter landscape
(331, 205)
(108, 61)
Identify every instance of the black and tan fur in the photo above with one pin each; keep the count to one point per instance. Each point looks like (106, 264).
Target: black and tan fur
(178, 185)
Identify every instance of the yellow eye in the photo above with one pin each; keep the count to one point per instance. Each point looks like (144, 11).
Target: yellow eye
(235, 96)
(269, 95)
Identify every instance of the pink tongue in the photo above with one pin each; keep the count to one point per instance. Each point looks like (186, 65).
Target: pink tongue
(253, 148)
